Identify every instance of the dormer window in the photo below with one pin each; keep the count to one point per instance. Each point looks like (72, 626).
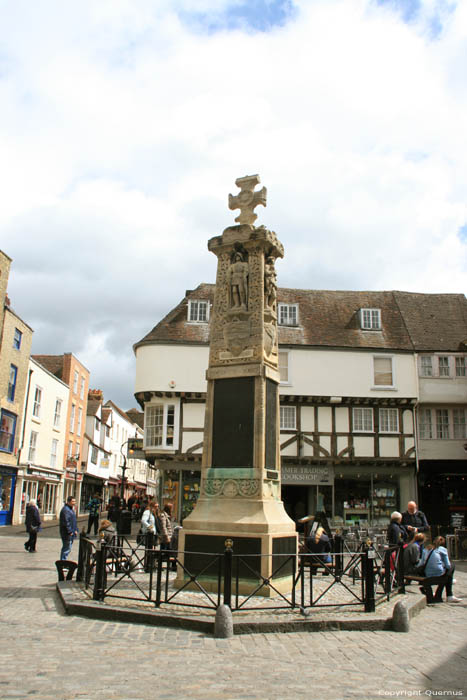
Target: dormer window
(370, 319)
(198, 311)
(288, 314)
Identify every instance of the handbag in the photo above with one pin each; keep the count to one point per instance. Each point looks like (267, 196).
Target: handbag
(420, 569)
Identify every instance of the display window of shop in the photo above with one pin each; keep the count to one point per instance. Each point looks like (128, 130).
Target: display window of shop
(189, 493)
(48, 497)
(364, 500)
(170, 490)
(29, 491)
(7, 482)
(7, 431)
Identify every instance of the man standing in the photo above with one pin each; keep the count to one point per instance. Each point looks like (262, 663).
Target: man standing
(68, 526)
(94, 507)
(414, 520)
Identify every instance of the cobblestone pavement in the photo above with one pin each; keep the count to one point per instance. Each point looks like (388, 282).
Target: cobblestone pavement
(49, 655)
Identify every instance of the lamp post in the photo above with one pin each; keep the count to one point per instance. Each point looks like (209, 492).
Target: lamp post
(123, 467)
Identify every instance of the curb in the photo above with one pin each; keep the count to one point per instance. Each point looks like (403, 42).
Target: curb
(68, 590)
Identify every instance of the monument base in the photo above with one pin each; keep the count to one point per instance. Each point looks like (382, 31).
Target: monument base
(262, 536)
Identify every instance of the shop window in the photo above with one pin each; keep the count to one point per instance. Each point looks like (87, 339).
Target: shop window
(284, 367)
(159, 425)
(425, 425)
(7, 431)
(363, 420)
(198, 311)
(29, 491)
(288, 418)
(288, 314)
(12, 383)
(17, 338)
(53, 453)
(49, 497)
(383, 371)
(370, 319)
(388, 420)
(461, 366)
(57, 413)
(36, 409)
(32, 446)
(426, 366)
(442, 424)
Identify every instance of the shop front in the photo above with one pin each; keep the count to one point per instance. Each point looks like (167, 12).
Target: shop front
(363, 496)
(443, 494)
(91, 485)
(45, 485)
(181, 487)
(7, 493)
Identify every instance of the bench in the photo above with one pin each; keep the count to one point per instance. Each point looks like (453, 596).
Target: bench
(426, 582)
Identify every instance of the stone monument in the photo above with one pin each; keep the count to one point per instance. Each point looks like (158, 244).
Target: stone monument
(240, 494)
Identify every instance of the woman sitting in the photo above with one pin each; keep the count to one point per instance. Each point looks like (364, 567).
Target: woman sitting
(319, 543)
(436, 560)
(396, 532)
(107, 532)
(413, 553)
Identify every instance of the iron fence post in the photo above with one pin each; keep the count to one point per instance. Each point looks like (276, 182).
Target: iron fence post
(400, 569)
(158, 579)
(339, 557)
(99, 575)
(228, 556)
(81, 555)
(368, 573)
(387, 571)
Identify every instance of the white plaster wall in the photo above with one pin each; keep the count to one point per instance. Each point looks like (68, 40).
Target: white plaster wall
(443, 390)
(342, 420)
(193, 415)
(52, 389)
(442, 449)
(407, 422)
(342, 443)
(408, 444)
(325, 441)
(329, 372)
(291, 450)
(324, 419)
(389, 447)
(363, 446)
(158, 365)
(308, 418)
(190, 439)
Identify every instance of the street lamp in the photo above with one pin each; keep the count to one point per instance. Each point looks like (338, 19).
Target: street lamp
(123, 467)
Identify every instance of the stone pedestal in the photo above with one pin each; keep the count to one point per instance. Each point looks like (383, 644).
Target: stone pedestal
(240, 478)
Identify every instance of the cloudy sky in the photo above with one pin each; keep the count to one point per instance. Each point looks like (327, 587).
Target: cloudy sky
(124, 124)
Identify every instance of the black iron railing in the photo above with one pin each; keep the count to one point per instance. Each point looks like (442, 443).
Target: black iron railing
(141, 572)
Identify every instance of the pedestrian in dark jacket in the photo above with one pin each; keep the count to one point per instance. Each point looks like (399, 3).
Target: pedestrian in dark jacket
(414, 520)
(93, 507)
(33, 523)
(396, 531)
(68, 526)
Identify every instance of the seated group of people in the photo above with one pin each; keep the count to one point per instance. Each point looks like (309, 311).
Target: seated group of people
(430, 560)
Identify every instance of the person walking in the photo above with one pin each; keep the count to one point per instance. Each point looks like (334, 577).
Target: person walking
(33, 523)
(93, 507)
(165, 518)
(68, 526)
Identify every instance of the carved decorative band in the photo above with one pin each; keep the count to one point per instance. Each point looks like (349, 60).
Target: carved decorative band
(232, 488)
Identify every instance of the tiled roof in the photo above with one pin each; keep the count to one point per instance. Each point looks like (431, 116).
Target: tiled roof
(53, 363)
(410, 321)
(111, 405)
(136, 417)
(93, 406)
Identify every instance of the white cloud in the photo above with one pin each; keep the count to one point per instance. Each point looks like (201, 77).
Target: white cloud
(123, 130)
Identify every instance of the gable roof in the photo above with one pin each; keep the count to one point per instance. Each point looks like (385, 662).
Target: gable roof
(410, 321)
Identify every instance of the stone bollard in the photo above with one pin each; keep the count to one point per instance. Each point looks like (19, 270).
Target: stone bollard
(400, 617)
(223, 626)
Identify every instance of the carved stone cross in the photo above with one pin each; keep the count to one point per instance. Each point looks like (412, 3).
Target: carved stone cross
(246, 200)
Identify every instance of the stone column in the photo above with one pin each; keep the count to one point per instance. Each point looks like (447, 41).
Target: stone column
(240, 494)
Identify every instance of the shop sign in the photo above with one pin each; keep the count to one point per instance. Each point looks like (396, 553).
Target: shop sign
(307, 475)
(457, 519)
(7, 471)
(73, 475)
(45, 475)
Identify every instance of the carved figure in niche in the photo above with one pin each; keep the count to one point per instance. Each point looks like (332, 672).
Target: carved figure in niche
(270, 283)
(238, 282)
